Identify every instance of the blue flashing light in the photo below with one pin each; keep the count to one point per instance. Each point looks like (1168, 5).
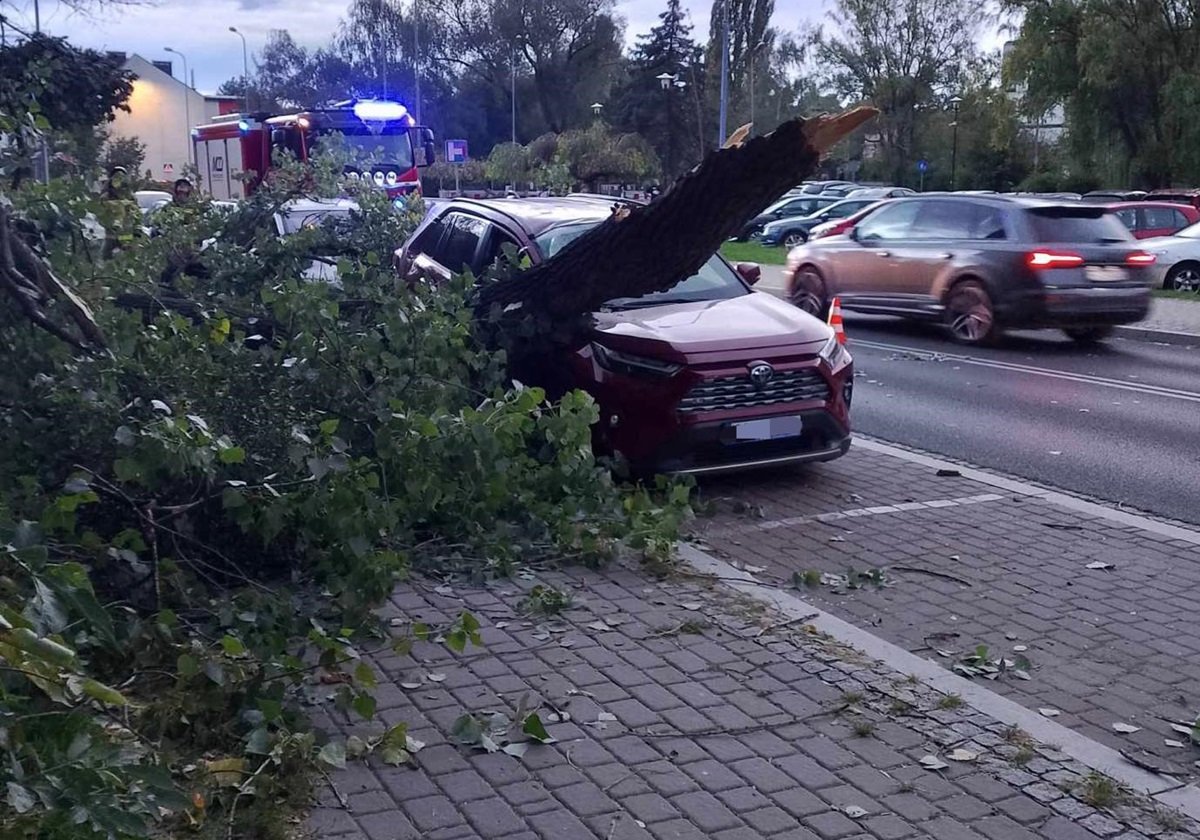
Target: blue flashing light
(378, 110)
(243, 126)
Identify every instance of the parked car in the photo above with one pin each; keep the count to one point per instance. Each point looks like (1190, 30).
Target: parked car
(785, 208)
(1147, 219)
(707, 376)
(839, 227)
(1175, 196)
(792, 232)
(981, 264)
(1177, 260)
(150, 200)
(818, 187)
(1107, 196)
(880, 192)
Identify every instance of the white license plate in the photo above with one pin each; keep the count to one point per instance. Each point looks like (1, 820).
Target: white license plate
(770, 428)
(1105, 273)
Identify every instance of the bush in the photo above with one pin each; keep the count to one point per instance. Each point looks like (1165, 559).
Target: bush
(196, 522)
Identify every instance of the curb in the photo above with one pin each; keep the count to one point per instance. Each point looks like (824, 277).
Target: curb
(1178, 339)
(1165, 789)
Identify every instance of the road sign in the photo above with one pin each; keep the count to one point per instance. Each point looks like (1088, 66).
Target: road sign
(922, 165)
(456, 151)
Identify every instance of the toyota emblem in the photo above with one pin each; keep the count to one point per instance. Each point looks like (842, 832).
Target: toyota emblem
(760, 374)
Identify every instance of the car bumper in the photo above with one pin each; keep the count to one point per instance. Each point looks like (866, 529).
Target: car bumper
(770, 239)
(1069, 307)
(711, 447)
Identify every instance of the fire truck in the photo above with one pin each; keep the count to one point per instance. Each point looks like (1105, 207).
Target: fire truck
(234, 146)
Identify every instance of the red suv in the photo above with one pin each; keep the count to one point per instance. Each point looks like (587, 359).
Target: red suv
(1147, 219)
(706, 377)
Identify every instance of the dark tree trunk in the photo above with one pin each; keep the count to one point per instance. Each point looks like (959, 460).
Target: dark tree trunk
(650, 248)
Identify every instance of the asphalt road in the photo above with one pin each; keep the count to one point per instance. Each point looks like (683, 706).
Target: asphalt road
(1119, 422)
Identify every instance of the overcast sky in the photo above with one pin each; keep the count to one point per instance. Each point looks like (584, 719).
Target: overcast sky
(200, 30)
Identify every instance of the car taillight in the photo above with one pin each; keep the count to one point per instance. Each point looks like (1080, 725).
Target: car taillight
(1138, 258)
(1053, 259)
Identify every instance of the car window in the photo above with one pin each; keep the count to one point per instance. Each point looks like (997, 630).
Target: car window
(426, 242)
(1128, 217)
(891, 222)
(458, 248)
(942, 220)
(496, 240)
(1158, 218)
(1077, 224)
(798, 208)
(714, 281)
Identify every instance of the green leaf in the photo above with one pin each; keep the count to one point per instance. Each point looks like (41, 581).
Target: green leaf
(467, 730)
(272, 710)
(232, 455)
(102, 693)
(363, 675)
(364, 704)
(20, 798)
(44, 649)
(456, 640)
(536, 730)
(232, 646)
(187, 666)
(469, 622)
(420, 631)
(333, 754)
(328, 427)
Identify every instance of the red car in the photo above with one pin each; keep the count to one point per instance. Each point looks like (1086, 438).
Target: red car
(706, 377)
(1155, 218)
(838, 227)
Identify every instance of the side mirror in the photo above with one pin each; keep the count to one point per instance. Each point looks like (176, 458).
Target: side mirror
(278, 137)
(430, 151)
(750, 272)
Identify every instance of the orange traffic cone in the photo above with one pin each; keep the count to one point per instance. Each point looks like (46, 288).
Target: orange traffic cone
(835, 320)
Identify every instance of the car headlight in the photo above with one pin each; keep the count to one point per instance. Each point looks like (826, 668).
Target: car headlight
(631, 365)
(835, 354)
(392, 178)
(379, 179)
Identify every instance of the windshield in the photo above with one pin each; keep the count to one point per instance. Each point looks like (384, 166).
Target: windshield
(1069, 224)
(714, 281)
(296, 220)
(395, 149)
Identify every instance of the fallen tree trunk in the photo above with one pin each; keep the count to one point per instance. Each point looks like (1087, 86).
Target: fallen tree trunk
(650, 248)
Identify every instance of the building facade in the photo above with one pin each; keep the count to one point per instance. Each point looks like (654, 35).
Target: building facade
(162, 112)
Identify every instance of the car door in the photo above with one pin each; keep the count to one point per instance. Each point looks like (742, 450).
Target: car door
(1159, 221)
(940, 237)
(865, 272)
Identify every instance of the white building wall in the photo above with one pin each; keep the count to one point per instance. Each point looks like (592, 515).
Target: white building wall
(158, 117)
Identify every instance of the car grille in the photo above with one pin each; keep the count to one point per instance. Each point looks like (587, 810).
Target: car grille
(732, 392)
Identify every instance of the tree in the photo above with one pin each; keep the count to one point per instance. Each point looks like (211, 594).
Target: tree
(508, 164)
(899, 55)
(1139, 113)
(596, 155)
(669, 118)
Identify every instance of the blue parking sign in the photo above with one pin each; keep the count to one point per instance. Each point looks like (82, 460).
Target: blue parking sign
(922, 165)
(456, 151)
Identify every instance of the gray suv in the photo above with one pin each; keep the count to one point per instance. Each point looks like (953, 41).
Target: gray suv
(980, 264)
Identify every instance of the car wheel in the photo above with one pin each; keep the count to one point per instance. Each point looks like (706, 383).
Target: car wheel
(1088, 335)
(1184, 277)
(794, 239)
(969, 313)
(808, 292)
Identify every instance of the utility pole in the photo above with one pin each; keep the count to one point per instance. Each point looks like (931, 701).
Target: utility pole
(513, 96)
(417, 60)
(721, 134)
(956, 101)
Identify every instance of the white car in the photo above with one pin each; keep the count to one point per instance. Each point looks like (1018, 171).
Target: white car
(1177, 260)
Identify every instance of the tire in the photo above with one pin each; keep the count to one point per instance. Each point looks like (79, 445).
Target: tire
(1184, 277)
(794, 238)
(808, 292)
(970, 316)
(1088, 335)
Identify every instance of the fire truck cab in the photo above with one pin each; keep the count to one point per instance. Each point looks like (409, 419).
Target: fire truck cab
(234, 146)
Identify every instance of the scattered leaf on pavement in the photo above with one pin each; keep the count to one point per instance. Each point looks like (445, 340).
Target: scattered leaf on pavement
(1126, 728)
(947, 473)
(436, 678)
(1048, 712)
(1171, 742)
(692, 606)
(854, 812)
(1100, 564)
(962, 755)
(606, 717)
(932, 762)
(410, 686)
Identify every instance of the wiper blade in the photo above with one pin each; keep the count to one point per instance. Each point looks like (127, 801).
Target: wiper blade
(645, 304)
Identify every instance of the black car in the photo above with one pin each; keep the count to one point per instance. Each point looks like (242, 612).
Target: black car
(790, 232)
(786, 207)
(980, 264)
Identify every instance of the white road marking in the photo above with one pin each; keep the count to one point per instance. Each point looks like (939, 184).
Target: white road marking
(1014, 367)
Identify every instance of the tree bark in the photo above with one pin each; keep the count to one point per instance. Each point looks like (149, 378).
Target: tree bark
(644, 249)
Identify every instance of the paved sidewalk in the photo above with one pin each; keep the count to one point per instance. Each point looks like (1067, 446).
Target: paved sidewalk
(686, 711)
(1105, 612)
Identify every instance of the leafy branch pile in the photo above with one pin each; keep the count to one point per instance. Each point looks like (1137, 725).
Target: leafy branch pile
(198, 516)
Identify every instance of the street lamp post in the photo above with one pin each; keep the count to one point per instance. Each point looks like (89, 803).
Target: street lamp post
(753, 54)
(187, 101)
(955, 102)
(597, 107)
(724, 74)
(245, 67)
(666, 81)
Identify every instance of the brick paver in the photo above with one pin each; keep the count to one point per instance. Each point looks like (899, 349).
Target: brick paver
(758, 738)
(1120, 644)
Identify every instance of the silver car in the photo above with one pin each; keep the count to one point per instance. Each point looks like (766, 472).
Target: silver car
(1177, 260)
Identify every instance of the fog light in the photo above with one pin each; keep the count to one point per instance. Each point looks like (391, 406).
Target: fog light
(614, 421)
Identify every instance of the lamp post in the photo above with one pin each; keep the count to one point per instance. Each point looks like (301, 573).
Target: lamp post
(753, 54)
(245, 67)
(513, 62)
(955, 102)
(724, 74)
(597, 107)
(187, 101)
